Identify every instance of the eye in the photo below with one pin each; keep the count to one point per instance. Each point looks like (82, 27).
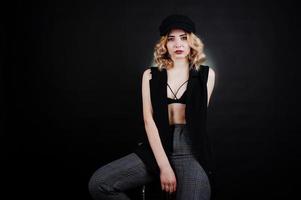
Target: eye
(184, 38)
(169, 39)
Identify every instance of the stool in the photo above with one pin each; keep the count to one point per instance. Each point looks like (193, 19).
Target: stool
(151, 191)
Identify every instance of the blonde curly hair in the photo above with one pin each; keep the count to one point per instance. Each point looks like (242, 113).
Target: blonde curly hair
(196, 56)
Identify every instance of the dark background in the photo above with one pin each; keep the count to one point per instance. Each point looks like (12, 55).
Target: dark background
(71, 81)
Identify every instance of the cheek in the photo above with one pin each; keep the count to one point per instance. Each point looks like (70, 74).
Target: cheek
(187, 49)
(168, 45)
(186, 45)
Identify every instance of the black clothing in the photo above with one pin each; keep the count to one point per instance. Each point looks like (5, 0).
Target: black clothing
(195, 113)
(176, 21)
(181, 100)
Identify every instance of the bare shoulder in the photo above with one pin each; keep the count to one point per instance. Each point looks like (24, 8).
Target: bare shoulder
(210, 82)
(147, 74)
(211, 76)
(211, 72)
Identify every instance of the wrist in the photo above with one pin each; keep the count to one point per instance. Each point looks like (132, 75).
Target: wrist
(164, 166)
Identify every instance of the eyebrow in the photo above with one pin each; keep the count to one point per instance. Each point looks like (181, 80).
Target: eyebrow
(180, 35)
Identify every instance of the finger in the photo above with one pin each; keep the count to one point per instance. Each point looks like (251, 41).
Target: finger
(165, 188)
(170, 187)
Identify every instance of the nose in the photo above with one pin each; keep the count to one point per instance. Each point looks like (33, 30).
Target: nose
(178, 45)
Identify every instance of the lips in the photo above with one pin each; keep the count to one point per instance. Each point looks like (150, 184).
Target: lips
(179, 51)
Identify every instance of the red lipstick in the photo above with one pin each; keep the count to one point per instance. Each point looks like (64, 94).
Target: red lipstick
(179, 51)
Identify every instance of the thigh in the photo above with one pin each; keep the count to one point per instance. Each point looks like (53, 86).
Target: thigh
(124, 173)
(192, 180)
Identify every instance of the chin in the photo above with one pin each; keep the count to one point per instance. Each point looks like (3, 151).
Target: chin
(180, 57)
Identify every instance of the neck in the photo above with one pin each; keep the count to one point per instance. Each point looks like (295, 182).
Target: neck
(181, 64)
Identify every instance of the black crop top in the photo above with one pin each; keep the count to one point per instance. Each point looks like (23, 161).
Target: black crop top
(181, 100)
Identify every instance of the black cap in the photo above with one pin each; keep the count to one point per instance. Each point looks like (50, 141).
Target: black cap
(176, 21)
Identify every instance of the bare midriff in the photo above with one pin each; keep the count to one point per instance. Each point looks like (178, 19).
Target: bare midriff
(176, 113)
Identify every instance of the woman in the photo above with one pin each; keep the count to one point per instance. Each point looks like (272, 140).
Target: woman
(175, 97)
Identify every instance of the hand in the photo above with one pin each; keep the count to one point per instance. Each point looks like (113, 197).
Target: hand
(168, 179)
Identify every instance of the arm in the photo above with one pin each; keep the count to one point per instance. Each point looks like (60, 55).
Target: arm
(150, 126)
(210, 83)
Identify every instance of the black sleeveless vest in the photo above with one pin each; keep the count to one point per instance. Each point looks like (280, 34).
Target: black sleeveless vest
(195, 113)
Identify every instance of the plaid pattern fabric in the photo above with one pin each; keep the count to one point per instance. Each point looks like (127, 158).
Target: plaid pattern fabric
(192, 180)
(111, 180)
